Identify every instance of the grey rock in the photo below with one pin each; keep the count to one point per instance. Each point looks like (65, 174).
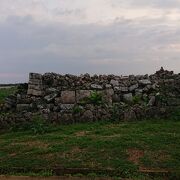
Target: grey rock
(50, 97)
(50, 106)
(34, 92)
(116, 98)
(96, 86)
(51, 90)
(58, 100)
(130, 115)
(121, 88)
(23, 107)
(35, 76)
(11, 100)
(173, 101)
(109, 92)
(128, 97)
(35, 87)
(45, 111)
(133, 87)
(66, 107)
(139, 92)
(107, 95)
(114, 82)
(88, 116)
(147, 88)
(66, 118)
(35, 82)
(41, 106)
(108, 86)
(152, 101)
(145, 81)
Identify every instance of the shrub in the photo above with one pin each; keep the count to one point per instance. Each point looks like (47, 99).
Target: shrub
(39, 125)
(5, 92)
(136, 99)
(95, 98)
(77, 109)
(36, 126)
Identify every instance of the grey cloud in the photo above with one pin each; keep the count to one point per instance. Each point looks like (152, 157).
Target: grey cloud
(147, 3)
(122, 47)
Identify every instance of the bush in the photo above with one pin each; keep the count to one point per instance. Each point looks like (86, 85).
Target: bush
(5, 92)
(77, 109)
(137, 99)
(39, 125)
(95, 98)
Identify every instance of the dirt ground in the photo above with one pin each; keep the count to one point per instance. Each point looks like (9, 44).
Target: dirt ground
(48, 178)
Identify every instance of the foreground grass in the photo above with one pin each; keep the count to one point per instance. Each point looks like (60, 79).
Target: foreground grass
(126, 147)
(4, 92)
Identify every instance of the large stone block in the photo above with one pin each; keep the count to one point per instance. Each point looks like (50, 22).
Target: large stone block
(35, 76)
(35, 81)
(82, 94)
(68, 97)
(35, 92)
(35, 87)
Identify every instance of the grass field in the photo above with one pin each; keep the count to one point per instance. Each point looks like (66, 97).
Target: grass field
(124, 147)
(4, 92)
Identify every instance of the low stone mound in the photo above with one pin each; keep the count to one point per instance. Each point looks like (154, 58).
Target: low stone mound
(66, 99)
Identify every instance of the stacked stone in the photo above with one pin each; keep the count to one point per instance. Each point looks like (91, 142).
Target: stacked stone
(69, 98)
(35, 85)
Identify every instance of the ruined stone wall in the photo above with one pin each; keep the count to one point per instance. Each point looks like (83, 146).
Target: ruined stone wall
(67, 98)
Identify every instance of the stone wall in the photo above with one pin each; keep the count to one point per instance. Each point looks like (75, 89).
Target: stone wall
(67, 98)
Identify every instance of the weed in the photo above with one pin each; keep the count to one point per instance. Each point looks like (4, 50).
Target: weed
(5, 92)
(136, 99)
(78, 175)
(92, 175)
(38, 125)
(77, 109)
(44, 173)
(95, 98)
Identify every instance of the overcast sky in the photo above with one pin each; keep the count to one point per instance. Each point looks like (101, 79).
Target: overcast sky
(95, 36)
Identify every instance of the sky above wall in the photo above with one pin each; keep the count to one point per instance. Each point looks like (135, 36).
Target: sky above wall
(96, 36)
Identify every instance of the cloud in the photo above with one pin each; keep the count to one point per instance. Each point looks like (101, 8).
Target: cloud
(94, 11)
(97, 36)
(121, 47)
(146, 3)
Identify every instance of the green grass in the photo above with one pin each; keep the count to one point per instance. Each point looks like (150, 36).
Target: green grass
(4, 92)
(100, 145)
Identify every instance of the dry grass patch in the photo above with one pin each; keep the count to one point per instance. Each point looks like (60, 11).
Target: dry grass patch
(31, 144)
(135, 155)
(81, 133)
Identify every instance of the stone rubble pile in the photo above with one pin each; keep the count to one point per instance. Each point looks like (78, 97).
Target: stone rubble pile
(67, 98)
